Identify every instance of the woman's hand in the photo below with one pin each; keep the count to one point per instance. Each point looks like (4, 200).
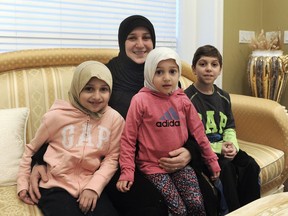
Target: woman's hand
(38, 173)
(178, 159)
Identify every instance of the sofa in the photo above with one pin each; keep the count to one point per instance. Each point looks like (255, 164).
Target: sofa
(30, 81)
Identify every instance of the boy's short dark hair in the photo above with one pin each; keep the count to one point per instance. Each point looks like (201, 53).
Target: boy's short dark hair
(207, 50)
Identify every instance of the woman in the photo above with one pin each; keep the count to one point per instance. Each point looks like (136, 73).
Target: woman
(136, 38)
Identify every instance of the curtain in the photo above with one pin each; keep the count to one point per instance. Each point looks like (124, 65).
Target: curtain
(32, 24)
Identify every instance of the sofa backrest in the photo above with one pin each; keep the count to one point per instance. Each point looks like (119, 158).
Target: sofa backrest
(35, 78)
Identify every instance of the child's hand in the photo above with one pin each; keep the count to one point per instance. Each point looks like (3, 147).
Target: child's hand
(228, 150)
(124, 186)
(24, 196)
(215, 176)
(87, 200)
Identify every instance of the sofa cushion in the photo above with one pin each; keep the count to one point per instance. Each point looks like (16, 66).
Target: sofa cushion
(270, 160)
(185, 82)
(12, 141)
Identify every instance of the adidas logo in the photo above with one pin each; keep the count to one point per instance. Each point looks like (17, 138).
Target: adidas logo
(169, 119)
(167, 123)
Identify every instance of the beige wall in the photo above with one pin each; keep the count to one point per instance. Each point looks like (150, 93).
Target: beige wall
(251, 15)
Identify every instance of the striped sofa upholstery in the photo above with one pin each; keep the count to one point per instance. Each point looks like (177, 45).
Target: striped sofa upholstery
(35, 78)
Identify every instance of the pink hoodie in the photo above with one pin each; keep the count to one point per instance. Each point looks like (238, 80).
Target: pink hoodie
(82, 153)
(160, 123)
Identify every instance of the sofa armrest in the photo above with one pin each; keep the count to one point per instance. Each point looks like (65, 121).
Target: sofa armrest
(261, 121)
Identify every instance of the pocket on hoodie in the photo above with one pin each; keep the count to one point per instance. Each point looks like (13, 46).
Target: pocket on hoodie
(64, 165)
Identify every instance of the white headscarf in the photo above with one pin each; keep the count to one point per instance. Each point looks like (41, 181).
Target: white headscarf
(82, 74)
(153, 59)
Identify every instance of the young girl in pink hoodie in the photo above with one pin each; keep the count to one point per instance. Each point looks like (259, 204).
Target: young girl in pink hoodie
(83, 151)
(160, 117)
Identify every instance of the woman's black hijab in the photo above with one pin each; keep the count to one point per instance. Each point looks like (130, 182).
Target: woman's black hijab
(128, 76)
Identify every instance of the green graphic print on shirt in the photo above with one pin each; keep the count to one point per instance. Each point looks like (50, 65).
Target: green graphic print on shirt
(216, 115)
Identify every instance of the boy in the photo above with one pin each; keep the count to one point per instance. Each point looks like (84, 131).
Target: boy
(239, 171)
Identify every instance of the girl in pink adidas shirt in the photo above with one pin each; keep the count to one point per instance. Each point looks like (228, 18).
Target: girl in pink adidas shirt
(82, 155)
(159, 118)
